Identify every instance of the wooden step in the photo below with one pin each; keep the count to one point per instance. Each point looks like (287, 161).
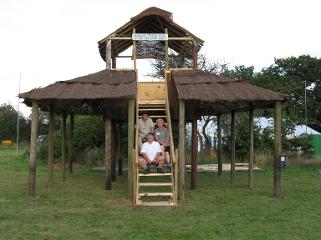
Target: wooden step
(154, 174)
(158, 204)
(154, 184)
(151, 109)
(155, 194)
(156, 116)
(151, 102)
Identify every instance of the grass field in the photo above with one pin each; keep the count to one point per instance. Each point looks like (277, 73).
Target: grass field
(82, 209)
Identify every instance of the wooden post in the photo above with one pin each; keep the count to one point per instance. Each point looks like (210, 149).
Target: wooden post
(194, 154)
(113, 63)
(277, 150)
(33, 151)
(176, 180)
(194, 56)
(166, 51)
(108, 54)
(232, 147)
(181, 146)
(134, 51)
(70, 143)
(107, 153)
(51, 143)
(119, 158)
(113, 151)
(251, 155)
(63, 147)
(219, 147)
(131, 133)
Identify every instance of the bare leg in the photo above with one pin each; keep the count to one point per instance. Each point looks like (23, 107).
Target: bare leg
(167, 157)
(142, 162)
(160, 160)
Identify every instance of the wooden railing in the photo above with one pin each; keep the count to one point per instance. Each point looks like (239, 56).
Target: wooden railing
(174, 168)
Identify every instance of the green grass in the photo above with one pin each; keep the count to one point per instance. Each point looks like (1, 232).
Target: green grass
(82, 209)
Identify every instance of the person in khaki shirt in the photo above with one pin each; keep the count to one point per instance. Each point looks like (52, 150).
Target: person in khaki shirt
(145, 126)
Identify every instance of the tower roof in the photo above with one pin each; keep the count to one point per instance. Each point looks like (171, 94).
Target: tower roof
(151, 20)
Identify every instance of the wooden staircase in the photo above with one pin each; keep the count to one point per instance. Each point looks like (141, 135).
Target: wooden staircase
(155, 189)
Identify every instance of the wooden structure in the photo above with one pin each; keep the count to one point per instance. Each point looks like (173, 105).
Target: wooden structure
(184, 96)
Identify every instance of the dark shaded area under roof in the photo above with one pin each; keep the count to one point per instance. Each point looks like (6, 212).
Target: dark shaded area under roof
(88, 94)
(151, 20)
(209, 94)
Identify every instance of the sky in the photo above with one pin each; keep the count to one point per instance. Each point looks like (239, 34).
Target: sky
(48, 41)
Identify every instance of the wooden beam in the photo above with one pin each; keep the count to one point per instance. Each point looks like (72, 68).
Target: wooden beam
(219, 146)
(113, 63)
(51, 143)
(166, 52)
(33, 151)
(277, 150)
(169, 38)
(131, 134)
(71, 143)
(113, 151)
(134, 51)
(118, 156)
(108, 54)
(194, 154)
(107, 153)
(251, 152)
(194, 56)
(176, 176)
(232, 147)
(181, 146)
(63, 147)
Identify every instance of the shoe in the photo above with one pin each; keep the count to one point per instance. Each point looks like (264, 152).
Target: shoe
(147, 170)
(160, 170)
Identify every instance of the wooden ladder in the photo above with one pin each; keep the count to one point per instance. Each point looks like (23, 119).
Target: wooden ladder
(155, 189)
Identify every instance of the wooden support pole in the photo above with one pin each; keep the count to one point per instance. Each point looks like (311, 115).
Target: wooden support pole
(277, 150)
(113, 151)
(219, 147)
(166, 52)
(51, 143)
(63, 147)
(108, 154)
(119, 158)
(195, 56)
(114, 63)
(134, 51)
(232, 147)
(131, 134)
(33, 151)
(108, 54)
(71, 143)
(194, 155)
(251, 155)
(181, 146)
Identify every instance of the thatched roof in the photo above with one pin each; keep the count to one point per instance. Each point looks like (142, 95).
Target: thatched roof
(88, 94)
(106, 84)
(220, 94)
(151, 20)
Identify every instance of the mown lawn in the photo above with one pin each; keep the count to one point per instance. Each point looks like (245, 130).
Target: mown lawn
(82, 209)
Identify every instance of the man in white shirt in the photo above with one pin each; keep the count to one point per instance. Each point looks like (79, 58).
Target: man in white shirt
(151, 154)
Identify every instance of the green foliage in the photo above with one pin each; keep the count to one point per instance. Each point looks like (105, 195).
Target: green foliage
(8, 124)
(302, 144)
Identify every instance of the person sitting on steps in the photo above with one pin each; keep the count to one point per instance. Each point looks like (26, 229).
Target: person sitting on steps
(162, 136)
(151, 155)
(145, 125)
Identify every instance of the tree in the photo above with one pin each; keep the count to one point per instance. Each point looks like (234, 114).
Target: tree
(8, 124)
(289, 76)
